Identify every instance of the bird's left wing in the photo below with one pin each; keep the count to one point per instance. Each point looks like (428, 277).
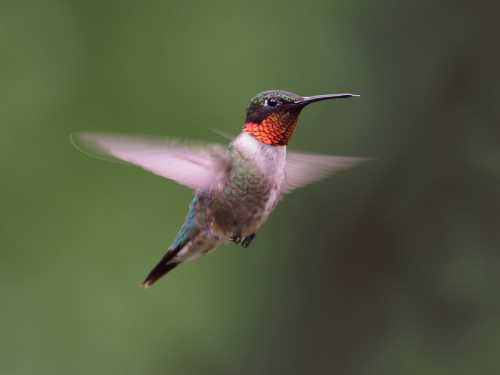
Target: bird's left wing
(303, 169)
(190, 165)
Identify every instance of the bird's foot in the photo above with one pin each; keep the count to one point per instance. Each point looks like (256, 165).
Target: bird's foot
(247, 240)
(236, 239)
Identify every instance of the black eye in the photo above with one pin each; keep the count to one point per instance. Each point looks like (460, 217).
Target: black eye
(271, 102)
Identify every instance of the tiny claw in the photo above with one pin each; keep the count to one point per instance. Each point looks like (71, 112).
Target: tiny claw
(236, 239)
(247, 240)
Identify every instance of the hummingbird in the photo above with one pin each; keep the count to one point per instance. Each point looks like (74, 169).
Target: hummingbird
(236, 187)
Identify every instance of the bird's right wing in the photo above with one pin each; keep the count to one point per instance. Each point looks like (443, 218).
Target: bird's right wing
(303, 169)
(190, 165)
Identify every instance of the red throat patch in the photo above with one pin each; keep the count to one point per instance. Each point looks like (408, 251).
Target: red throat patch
(275, 130)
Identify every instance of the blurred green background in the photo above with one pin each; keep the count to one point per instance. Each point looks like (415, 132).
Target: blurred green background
(389, 268)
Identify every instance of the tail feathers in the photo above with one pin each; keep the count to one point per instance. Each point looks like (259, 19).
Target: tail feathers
(188, 231)
(165, 265)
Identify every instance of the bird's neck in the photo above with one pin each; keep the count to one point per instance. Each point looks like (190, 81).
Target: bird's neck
(274, 130)
(267, 158)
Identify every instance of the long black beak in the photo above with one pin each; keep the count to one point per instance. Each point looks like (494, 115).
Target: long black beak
(317, 98)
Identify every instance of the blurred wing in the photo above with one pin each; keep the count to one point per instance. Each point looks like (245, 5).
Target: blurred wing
(303, 169)
(192, 166)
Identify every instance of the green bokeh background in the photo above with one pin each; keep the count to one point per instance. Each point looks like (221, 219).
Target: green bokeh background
(389, 268)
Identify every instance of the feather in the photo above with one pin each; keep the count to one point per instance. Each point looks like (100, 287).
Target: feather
(164, 266)
(190, 165)
(303, 169)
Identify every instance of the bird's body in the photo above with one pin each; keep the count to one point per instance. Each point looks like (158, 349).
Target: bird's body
(252, 188)
(235, 205)
(236, 188)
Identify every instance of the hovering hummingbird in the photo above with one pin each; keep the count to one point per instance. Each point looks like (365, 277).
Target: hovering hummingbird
(236, 187)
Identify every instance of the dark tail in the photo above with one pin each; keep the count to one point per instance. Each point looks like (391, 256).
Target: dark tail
(164, 266)
(187, 232)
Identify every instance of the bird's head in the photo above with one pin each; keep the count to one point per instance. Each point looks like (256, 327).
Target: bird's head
(272, 115)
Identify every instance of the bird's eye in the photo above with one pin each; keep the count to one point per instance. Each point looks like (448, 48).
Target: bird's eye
(271, 102)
